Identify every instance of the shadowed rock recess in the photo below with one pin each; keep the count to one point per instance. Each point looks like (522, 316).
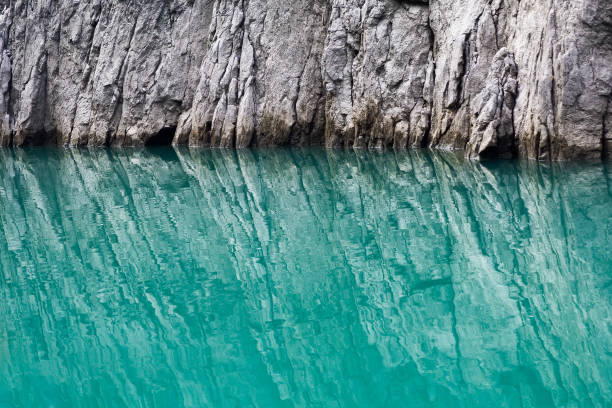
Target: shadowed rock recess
(529, 78)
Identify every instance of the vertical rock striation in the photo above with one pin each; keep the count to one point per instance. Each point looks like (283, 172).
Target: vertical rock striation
(101, 72)
(375, 68)
(563, 54)
(260, 81)
(496, 78)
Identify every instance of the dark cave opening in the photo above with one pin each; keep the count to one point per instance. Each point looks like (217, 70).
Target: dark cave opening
(162, 138)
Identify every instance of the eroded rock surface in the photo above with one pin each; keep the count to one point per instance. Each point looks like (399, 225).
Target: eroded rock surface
(563, 54)
(375, 69)
(496, 78)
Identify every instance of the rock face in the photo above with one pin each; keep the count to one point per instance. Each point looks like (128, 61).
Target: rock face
(563, 56)
(497, 78)
(375, 68)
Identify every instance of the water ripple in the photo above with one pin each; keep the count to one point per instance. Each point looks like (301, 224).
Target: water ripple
(268, 278)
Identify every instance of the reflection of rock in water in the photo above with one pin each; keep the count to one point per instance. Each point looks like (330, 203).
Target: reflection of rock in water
(219, 278)
(503, 305)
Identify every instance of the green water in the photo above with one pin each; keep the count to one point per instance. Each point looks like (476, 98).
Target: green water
(306, 278)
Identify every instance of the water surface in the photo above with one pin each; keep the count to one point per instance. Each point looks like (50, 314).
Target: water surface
(302, 278)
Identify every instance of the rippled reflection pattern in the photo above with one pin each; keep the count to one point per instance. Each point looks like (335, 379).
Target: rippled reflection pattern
(307, 278)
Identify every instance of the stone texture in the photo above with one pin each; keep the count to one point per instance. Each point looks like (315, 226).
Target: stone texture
(496, 78)
(375, 69)
(260, 81)
(563, 53)
(101, 72)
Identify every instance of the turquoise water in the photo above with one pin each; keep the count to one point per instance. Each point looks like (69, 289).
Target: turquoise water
(306, 278)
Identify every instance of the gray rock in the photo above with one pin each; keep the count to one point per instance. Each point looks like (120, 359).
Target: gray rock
(492, 126)
(492, 77)
(563, 53)
(375, 68)
(260, 81)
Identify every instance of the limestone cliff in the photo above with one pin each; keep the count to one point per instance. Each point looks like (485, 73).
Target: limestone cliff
(497, 78)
